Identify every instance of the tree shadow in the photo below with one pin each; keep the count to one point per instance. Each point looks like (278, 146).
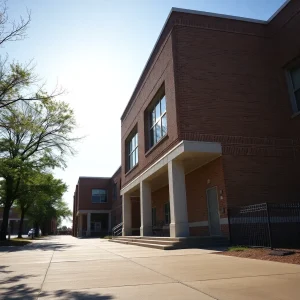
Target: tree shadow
(11, 288)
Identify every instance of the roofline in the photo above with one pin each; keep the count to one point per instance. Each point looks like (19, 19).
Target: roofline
(91, 177)
(203, 13)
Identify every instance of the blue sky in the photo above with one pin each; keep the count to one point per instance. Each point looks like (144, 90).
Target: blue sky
(96, 50)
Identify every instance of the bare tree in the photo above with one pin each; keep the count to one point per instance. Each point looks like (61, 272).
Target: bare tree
(11, 31)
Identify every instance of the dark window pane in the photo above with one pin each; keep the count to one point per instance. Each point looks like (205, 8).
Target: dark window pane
(164, 125)
(297, 96)
(157, 131)
(157, 111)
(295, 74)
(163, 105)
(151, 137)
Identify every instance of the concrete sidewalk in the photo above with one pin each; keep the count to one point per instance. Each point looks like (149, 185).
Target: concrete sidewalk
(63, 267)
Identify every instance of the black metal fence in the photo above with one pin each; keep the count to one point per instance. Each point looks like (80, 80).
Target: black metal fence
(265, 225)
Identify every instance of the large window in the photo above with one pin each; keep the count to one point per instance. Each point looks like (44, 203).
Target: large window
(295, 88)
(133, 156)
(99, 196)
(158, 121)
(167, 213)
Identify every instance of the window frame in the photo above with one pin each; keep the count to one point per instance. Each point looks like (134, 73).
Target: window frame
(292, 90)
(132, 152)
(157, 100)
(96, 202)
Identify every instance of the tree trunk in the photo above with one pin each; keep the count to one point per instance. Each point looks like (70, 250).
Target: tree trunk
(4, 225)
(21, 223)
(36, 229)
(7, 205)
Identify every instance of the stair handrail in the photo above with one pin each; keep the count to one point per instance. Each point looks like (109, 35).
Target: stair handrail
(117, 230)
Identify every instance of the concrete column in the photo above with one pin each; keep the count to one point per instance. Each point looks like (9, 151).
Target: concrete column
(88, 225)
(127, 219)
(179, 226)
(146, 209)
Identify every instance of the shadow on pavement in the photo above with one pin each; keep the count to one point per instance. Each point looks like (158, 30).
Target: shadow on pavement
(12, 288)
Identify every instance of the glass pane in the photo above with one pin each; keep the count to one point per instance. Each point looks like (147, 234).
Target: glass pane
(157, 131)
(295, 74)
(297, 96)
(153, 118)
(151, 137)
(163, 105)
(136, 140)
(164, 125)
(132, 143)
(157, 111)
(130, 161)
(133, 159)
(136, 156)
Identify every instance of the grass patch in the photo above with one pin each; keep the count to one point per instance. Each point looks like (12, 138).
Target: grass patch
(15, 242)
(237, 248)
(107, 237)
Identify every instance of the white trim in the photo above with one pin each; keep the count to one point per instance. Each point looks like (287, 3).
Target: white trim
(183, 146)
(198, 224)
(223, 221)
(100, 211)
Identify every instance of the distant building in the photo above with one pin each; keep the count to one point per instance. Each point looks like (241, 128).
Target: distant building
(14, 221)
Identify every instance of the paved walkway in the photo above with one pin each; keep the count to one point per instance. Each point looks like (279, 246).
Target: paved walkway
(67, 268)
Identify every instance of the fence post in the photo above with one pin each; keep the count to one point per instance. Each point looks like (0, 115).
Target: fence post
(269, 226)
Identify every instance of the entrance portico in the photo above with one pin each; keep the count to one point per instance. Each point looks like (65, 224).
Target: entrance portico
(169, 170)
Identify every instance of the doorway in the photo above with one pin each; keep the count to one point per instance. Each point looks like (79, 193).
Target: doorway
(213, 211)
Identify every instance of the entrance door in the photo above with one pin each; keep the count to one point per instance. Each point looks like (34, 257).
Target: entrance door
(97, 226)
(213, 211)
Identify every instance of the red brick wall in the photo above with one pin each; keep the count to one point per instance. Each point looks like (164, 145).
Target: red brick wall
(159, 198)
(85, 186)
(116, 204)
(161, 71)
(197, 182)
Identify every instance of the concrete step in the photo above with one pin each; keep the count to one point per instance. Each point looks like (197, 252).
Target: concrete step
(147, 245)
(156, 238)
(149, 241)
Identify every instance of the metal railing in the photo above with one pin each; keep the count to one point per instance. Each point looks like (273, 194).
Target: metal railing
(265, 225)
(117, 230)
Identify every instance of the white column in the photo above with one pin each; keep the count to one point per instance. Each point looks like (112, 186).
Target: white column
(88, 228)
(126, 210)
(179, 226)
(146, 209)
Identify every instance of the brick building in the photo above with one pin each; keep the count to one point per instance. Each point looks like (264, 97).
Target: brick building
(213, 122)
(97, 205)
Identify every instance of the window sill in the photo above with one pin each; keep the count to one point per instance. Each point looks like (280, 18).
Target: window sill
(128, 172)
(157, 144)
(295, 115)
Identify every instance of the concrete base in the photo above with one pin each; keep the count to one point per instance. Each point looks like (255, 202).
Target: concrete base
(146, 231)
(179, 229)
